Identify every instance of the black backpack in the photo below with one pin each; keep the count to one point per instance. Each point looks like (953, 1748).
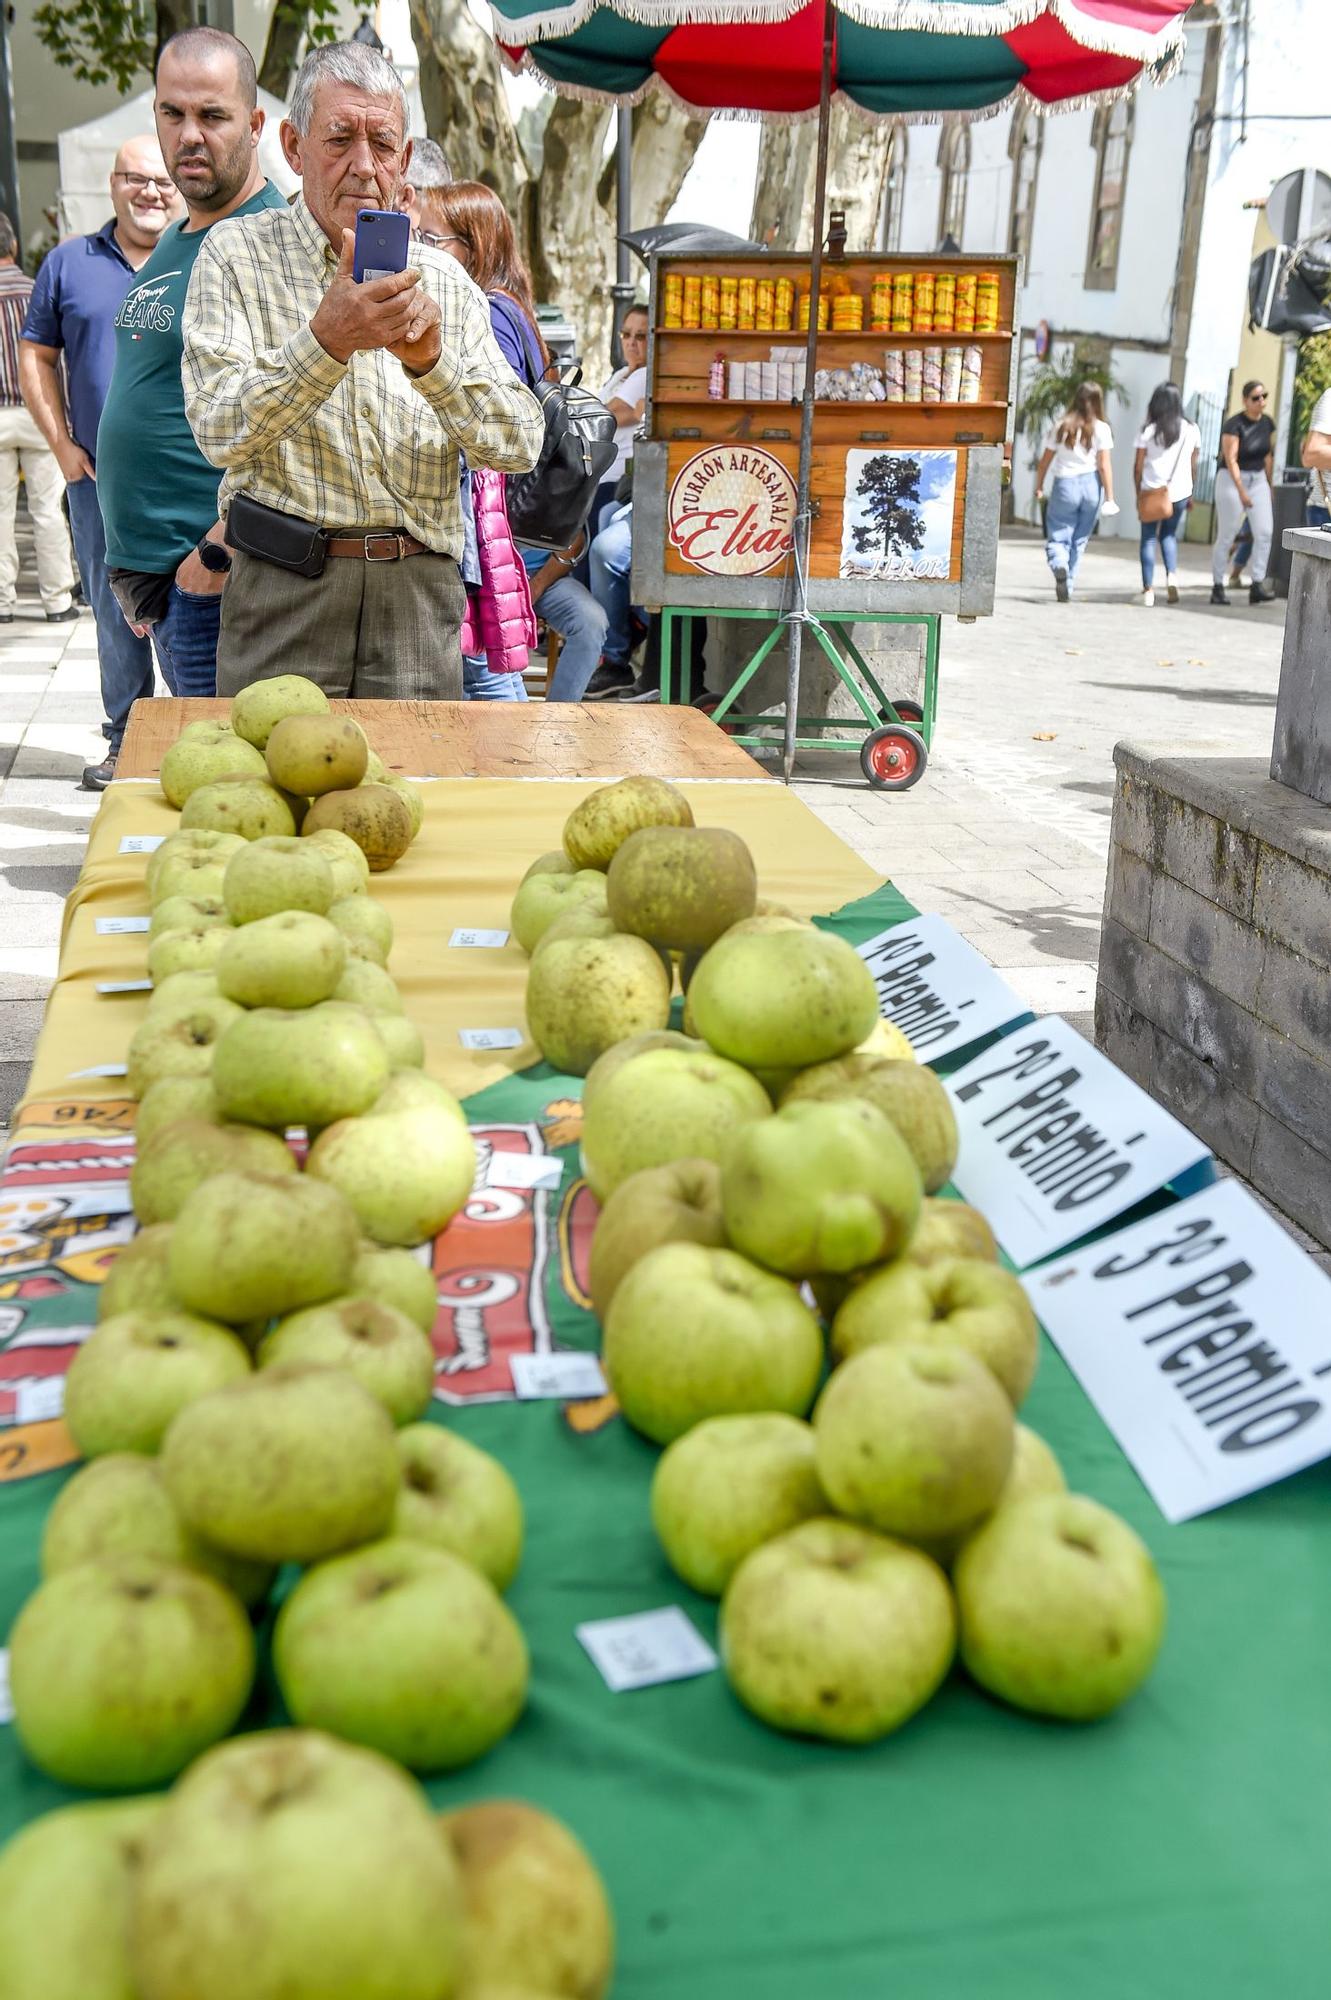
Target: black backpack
(548, 505)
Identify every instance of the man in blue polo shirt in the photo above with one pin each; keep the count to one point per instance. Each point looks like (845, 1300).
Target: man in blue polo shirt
(167, 560)
(69, 337)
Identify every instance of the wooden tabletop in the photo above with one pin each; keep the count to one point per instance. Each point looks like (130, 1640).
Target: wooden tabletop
(490, 739)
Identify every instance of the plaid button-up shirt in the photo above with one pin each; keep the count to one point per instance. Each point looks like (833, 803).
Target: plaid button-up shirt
(361, 444)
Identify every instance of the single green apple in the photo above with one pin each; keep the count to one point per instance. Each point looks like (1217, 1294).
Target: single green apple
(696, 1333)
(249, 806)
(783, 999)
(832, 1630)
(187, 913)
(405, 1175)
(543, 897)
(292, 1465)
(286, 1866)
(312, 754)
(950, 1229)
(293, 959)
(139, 1279)
(198, 760)
(663, 1105)
(619, 1053)
(958, 1302)
(65, 1884)
(1062, 1608)
(118, 1506)
(906, 1092)
(679, 887)
(554, 862)
(300, 1066)
(367, 985)
(820, 1188)
(726, 1487)
(599, 825)
(219, 847)
(194, 950)
(538, 1916)
(362, 920)
(123, 1669)
(583, 994)
(385, 1351)
(136, 1370)
(258, 708)
(405, 1649)
(913, 1439)
(458, 1498)
(178, 993)
(409, 1091)
(256, 1246)
(396, 1278)
(276, 873)
(181, 1045)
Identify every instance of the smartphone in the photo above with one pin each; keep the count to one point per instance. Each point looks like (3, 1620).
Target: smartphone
(383, 238)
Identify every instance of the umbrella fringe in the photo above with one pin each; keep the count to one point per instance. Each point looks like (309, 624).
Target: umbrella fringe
(732, 115)
(1161, 51)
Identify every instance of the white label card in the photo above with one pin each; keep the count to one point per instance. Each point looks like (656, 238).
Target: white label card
(124, 986)
(118, 926)
(644, 1650)
(936, 988)
(568, 1377)
(6, 1698)
(141, 843)
(39, 1402)
(103, 1069)
(491, 1038)
(524, 1170)
(478, 940)
(1203, 1337)
(1056, 1142)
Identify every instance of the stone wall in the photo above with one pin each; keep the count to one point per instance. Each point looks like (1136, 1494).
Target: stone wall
(1215, 964)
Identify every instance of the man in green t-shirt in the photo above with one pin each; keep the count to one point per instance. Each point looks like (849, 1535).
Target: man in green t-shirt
(164, 550)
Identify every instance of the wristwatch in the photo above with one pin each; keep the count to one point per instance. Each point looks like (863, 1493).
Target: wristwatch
(214, 556)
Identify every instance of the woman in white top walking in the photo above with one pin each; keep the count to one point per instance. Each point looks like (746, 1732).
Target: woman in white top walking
(1163, 472)
(1076, 452)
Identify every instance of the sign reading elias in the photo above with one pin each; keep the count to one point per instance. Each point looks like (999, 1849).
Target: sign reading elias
(732, 511)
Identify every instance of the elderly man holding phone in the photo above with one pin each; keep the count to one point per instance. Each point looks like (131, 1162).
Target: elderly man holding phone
(337, 405)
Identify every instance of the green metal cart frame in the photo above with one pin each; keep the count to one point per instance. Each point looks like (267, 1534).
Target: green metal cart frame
(893, 746)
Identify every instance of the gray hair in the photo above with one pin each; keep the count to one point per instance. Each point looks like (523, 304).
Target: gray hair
(428, 167)
(8, 239)
(344, 62)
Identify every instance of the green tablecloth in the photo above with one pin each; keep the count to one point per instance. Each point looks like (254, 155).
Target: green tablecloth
(978, 1855)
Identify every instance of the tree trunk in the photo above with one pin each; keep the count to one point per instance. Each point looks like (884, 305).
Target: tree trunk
(281, 55)
(783, 199)
(463, 96)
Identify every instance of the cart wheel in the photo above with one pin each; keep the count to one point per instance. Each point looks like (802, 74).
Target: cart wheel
(893, 759)
(909, 711)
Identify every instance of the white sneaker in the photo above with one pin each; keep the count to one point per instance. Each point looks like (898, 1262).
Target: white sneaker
(1171, 587)
(1148, 598)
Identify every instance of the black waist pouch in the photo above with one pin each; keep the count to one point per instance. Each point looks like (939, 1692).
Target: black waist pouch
(274, 537)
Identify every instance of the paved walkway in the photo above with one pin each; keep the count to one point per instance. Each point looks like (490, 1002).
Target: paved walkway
(1006, 835)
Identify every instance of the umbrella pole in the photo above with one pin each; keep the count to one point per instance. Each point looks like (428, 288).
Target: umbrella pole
(622, 290)
(803, 502)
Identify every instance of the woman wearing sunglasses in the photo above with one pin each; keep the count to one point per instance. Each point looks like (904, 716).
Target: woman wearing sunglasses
(1243, 486)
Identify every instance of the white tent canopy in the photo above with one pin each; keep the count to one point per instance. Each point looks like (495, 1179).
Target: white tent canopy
(87, 153)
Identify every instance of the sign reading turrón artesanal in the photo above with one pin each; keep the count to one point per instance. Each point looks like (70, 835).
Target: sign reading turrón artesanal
(731, 510)
(936, 988)
(1056, 1142)
(1203, 1337)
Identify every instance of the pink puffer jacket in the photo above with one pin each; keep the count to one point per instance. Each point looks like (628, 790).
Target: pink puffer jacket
(499, 621)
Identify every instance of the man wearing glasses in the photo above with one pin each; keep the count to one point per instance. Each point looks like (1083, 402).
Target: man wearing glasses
(71, 319)
(167, 561)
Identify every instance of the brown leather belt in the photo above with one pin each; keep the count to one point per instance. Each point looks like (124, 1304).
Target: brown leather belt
(385, 545)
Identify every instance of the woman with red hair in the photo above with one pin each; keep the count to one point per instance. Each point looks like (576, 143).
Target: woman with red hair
(468, 221)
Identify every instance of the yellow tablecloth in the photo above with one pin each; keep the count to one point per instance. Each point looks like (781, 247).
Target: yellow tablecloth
(478, 838)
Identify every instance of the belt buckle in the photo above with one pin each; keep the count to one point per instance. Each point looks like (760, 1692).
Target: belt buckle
(395, 554)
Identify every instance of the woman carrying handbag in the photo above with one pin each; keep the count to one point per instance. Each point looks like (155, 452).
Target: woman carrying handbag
(1163, 473)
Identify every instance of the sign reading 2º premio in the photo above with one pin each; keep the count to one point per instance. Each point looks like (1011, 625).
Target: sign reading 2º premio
(732, 511)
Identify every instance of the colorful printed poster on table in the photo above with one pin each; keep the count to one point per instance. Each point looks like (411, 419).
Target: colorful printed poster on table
(1203, 1337)
(1056, 1142)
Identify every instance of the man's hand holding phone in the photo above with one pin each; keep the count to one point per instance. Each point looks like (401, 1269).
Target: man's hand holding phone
(390, 312)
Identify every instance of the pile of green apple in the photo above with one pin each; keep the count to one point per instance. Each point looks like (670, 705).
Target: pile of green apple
(769, 1182)
(290, 1866)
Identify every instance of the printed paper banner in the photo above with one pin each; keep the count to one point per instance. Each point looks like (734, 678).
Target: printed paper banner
(1057, 1142)
(1203, 1337)
(939, 990)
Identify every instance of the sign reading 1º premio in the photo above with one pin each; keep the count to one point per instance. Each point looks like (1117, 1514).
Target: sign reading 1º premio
(732, 511)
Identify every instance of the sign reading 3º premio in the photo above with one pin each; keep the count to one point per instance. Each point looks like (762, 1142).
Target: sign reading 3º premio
(732, 510)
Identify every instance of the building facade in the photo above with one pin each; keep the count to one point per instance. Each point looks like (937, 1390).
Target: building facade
(1137, 221)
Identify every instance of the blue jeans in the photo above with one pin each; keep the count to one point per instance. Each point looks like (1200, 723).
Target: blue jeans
(1317, 517)
(479, 684)
(1074, 502)
(611, 561)
(124, 663)
(1168, 531)
(185, 640)
(573, 612)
